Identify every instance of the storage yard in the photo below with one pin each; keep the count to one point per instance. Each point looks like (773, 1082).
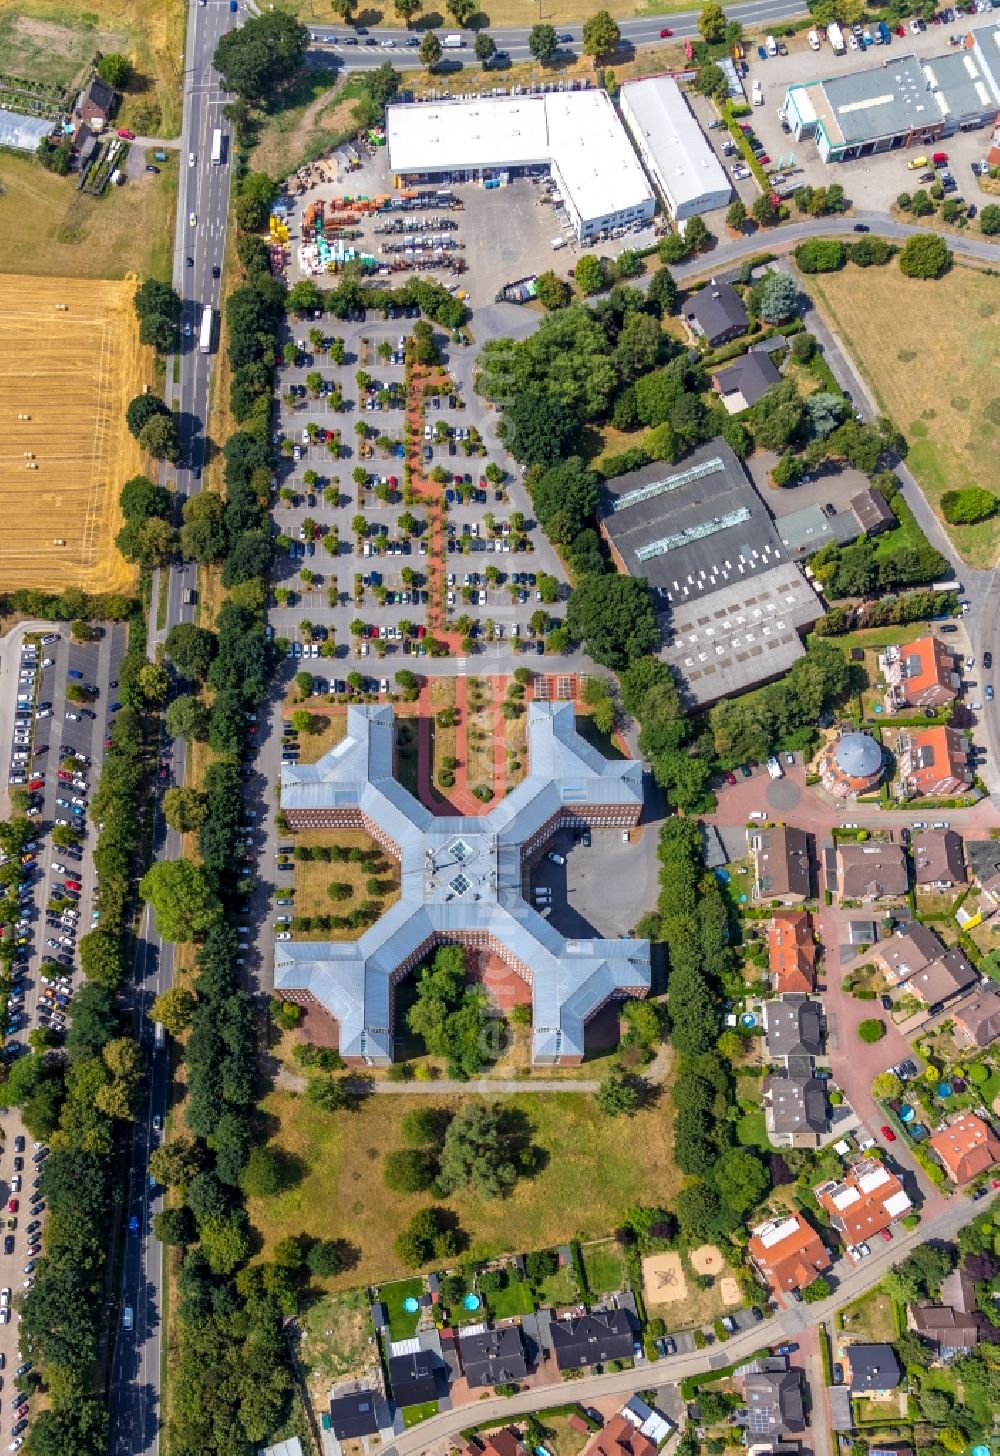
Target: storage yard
(69, 364)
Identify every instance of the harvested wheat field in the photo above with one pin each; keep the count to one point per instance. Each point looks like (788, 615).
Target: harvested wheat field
(66, 376)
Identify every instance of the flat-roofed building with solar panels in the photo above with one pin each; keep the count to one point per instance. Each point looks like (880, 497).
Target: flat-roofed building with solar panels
(462, 882)
(903, 102)
(702, 537)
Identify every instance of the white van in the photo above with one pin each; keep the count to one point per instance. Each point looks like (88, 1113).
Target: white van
(814, 41)
(772, 45)
(558, 243)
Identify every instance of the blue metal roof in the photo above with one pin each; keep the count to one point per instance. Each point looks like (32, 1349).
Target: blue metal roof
(462, 874)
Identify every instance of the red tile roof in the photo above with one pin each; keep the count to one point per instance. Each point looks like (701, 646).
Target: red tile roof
(966, 1148)
(792, 951)
(787, 1252)
(620, 1438)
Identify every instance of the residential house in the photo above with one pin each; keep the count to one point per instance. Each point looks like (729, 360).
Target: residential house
(95, 104)
(937, 855)
(864, 1201)
(621, 1438)
(793, 1027)
(774, 1403)
(977, 1020)
(492, 1356)
(948, 1331)
(354, 1414)
(920, 674)
(967, 1147)
(795, 1112)
(505, 1442)
(581, 1341)
(787, 1253)
(716, 313)
(874, 1369)
(873, 870)
(745, 381)
(942, 980)
(792, 951)
(984, 862)
(934, 761)
(781, 864)
(873, 512)
(906, 951)
(414, 1377)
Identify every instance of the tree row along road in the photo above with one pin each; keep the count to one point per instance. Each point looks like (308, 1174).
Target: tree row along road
(854, 1282)
(645, 31)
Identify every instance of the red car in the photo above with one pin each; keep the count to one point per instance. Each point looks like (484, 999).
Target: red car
(665, 33)
(886, 1234)
(129, 136)
(12, 1206)
(37, 784)
(73, 885)
(900, 30)
(730, 777)
(887, 1133)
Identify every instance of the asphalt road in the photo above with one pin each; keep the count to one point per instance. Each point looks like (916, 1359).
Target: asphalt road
(373, 50)
(135, 1414)
(786, 1325)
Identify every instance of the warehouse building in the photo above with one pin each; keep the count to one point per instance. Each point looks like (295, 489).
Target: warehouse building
(702, 537)
(576, 134)
(903, 102)
(674, 150)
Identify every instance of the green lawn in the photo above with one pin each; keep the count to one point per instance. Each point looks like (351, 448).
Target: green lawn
(751, 1132)
(402, 1326)
(514, 1300)
(559, 1288)
(871, 1318)
(603, 1266)
(414, 1414)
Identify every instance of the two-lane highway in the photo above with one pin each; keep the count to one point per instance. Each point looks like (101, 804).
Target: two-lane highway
(199, 252)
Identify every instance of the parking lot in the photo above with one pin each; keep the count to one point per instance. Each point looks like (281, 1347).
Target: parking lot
(57, 695)
(370, 558)
(594, 882)
(871, 183)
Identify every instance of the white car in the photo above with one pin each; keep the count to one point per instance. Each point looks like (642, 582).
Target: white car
(283, 935)
(192, 219)
(191, 159)
(187, 331)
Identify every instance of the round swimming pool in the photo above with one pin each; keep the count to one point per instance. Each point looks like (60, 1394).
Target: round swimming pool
(472, 1301)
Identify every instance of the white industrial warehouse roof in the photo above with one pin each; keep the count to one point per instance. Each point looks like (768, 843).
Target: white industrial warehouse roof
(578, 132)
(462, 874)
(679, 148)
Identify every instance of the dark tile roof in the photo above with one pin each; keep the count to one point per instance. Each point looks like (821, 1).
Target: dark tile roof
(872, 510)
(873, 1367)
(793, 1026)
(414, 1377)
(98, 93)
(592, 1339)
(774, 1402)
(752, 376)
(493, 1356)
(354, 1414)
(717, 308)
